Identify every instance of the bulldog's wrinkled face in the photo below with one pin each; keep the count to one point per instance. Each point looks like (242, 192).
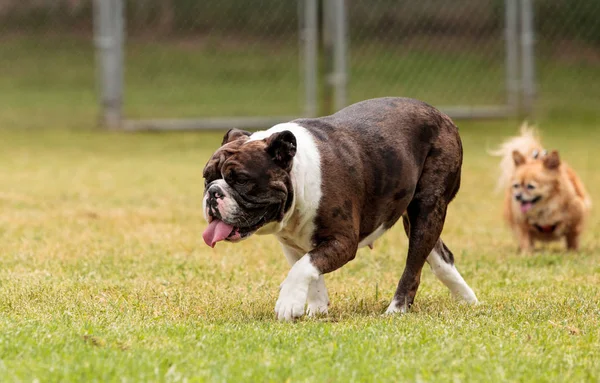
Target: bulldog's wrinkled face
(247, 185)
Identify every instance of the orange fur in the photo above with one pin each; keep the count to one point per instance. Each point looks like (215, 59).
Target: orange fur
(544, 198)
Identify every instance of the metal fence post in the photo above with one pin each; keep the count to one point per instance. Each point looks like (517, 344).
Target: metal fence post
(527, 56)
(309, 34)
(511, 24)
(109, 37)
(339, 76)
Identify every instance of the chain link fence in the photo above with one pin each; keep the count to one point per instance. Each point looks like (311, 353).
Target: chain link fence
(46, 63)
(568, 59)
(452, 54)
(188, 64)
(215, 63)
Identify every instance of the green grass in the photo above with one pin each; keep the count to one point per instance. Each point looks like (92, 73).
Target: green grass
(104, 275)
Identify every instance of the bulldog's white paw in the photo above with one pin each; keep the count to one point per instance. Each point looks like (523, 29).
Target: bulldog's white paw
(291, 302)
(316, 309)
(294, 290)
(318, 299)
(395, 308)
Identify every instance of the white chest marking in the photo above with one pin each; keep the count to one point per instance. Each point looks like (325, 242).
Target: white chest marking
(298, 225)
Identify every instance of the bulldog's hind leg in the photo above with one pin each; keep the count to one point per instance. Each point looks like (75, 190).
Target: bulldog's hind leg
(425, 215)
(426, 223)
(441, 261)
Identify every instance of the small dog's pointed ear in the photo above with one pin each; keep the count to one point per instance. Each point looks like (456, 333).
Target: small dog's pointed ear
(518, 158)
(552, 160)
(281, 147)
(234, 134)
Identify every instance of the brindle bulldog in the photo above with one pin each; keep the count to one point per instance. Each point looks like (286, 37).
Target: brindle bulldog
(328, 186)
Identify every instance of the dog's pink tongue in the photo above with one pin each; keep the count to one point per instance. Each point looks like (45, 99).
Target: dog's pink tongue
(525, 207)
(216, 231)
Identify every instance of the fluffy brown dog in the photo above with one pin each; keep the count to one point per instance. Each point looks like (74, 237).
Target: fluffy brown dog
(545, 200)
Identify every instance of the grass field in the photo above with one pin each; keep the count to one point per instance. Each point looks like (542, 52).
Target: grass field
(104, 275)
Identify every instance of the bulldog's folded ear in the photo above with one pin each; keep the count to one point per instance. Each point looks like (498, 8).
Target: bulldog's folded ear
(281, 147)
(235, 134)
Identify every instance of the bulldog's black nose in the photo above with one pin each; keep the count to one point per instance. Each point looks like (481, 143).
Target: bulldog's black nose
(215, 192)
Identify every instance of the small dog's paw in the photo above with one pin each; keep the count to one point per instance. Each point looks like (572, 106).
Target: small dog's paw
(291, 302)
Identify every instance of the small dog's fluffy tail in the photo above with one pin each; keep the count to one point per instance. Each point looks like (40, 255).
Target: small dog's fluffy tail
(527, 143)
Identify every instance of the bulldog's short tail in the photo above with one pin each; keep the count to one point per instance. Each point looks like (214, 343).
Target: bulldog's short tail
(527, 143)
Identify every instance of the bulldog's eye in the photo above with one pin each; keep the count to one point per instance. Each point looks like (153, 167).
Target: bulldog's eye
(205, 183)
(241, 181)
(530, 186)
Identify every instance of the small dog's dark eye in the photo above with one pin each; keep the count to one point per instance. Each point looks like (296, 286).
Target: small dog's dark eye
(516, 186)
(530, 186)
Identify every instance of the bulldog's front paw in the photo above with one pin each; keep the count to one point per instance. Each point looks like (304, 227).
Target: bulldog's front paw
(294, 290)
(291, 302)
(317, 308)
(318, 299)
